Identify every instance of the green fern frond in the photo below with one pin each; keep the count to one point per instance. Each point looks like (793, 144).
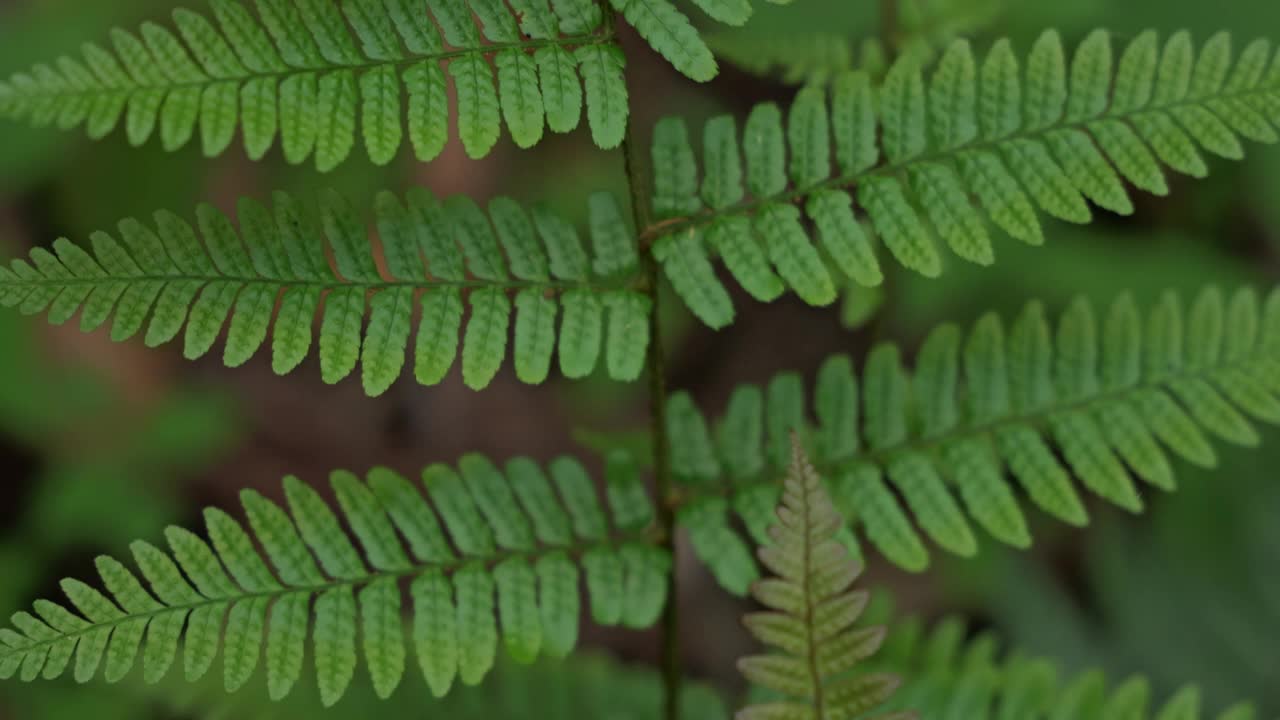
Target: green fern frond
(949, 677)
(812, 614)
(278, 258)
(311, 71)
(584, 685)
(504, 566)
(910, 155)
(1100, 401)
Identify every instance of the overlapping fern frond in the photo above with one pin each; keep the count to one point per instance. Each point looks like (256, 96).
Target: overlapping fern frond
(816, 56)
(948, 676)
(793, 58)
(910, 155)
(673, 36)
(812, 614)
(277, 257)
(312, 71)
(1101, 402)
(492, 557)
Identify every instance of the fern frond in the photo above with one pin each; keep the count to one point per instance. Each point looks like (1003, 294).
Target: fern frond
(504, 566)
(947, 676)
(312, 71)
(277, 258)
(812, 614)
(584, 685)
(910, 155)
(1100, 401)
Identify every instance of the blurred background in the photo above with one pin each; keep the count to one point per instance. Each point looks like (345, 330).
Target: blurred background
(101, 443)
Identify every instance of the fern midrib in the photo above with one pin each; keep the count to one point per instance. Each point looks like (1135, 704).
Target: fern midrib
(649, 536)
(882, 457)
(569, 41)
(559, 286)
(674, 225)
(810, 610)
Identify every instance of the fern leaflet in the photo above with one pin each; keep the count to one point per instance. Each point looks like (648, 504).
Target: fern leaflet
(911, 154)
(278, 257)
(1100, 403)
(812, 614)
(311, 71)
(504, 567)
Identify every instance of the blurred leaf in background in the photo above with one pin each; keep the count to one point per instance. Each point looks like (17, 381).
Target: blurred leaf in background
(1191, 593)
(86, 471)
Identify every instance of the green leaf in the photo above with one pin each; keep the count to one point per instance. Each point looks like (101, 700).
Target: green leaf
(486, 339)
(669, 33)
(478, 109)
(581, 333)
(380, 114)
(675, 172)
(796, 259)
(605, 90)
(561, 89)
(522, 104)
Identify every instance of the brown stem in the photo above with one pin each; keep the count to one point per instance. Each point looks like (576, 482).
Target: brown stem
(889, 25)
(664, 488)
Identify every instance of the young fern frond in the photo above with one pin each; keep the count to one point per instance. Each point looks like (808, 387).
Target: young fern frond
(310, 71)
(183, 281)
(1101, 401)
(949, 677)
(502, 563)
(911, 154)
(812, 616)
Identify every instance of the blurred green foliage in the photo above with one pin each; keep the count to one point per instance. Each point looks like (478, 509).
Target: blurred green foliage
(1188, 594)
(86, 472)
